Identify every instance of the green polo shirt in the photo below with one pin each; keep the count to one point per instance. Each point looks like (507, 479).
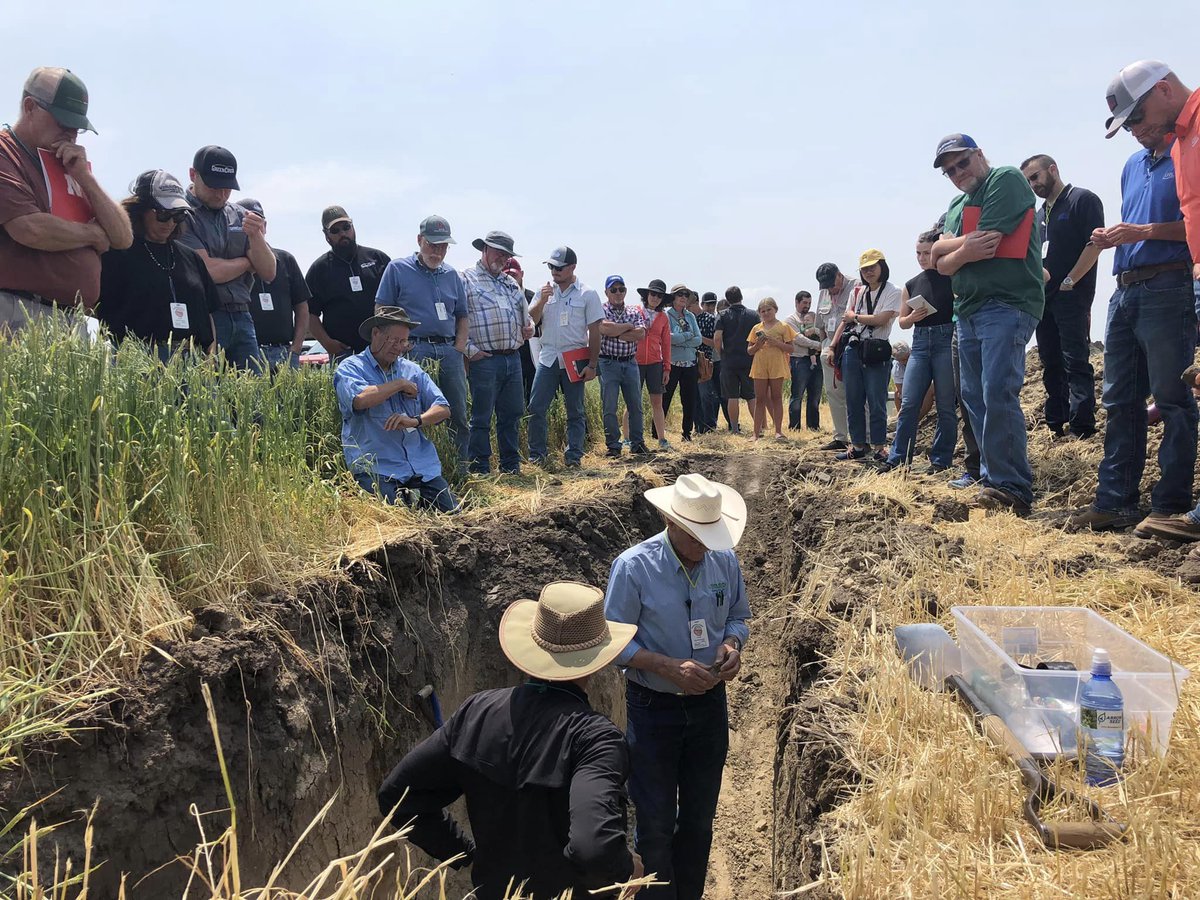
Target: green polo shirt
(1004, 198)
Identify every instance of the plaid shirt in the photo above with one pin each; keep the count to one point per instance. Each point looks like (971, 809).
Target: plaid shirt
(496, 311)
(628, 315)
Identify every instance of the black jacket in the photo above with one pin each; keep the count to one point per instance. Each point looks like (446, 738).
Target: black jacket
(544, 778)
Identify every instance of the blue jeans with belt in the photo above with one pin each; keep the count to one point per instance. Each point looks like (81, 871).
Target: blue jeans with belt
(1149, 339)
(497, 387)
(237, 338)
(452, 380)
(991, 356)
(677, 749)
(546, 383)
(930, 362)
(621, 377)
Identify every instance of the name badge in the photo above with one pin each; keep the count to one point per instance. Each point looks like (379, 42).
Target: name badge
(698, 631)
(1045, 249)
(564, 317)
(266, 302)
(355, 283)
(441, 311)
(179, 316)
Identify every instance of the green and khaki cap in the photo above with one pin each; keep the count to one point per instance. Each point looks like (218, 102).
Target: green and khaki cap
(62, 94)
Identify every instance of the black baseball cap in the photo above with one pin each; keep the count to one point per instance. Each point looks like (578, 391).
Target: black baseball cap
(709, 297)
(827, 274)
(952, 143)
(216, 167)
(251, 205)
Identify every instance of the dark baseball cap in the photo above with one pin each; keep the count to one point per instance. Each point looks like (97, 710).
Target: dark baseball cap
(707, 298)
(62, 94)
(160, 188)
(334, 214)
(436, 230)
(216, 167)
(952, 143)
(562, 256)
(614, 279)
(251, 205)
(827, 274)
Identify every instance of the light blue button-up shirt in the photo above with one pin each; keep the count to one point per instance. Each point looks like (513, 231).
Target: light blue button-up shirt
(368, 448)
(565, 320)
(408, 283)
(649, 587)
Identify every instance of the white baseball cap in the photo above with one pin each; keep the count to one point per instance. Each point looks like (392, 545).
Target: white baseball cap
(1129, 87)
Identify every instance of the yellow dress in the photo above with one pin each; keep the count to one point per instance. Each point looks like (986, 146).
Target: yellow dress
(771, 362)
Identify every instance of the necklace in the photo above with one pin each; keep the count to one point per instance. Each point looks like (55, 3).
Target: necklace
(154, 259)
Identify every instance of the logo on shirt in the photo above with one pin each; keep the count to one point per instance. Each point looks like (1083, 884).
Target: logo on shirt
(370, 263)
(719, 588)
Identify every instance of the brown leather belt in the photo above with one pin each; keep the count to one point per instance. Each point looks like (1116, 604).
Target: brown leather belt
(1145, 273)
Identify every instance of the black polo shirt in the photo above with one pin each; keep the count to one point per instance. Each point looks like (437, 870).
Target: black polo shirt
(341, 308)
(139, 286)
(735, 325)
(1075, 215)
(273, 304)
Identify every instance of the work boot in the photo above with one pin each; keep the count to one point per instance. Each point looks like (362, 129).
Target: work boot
(614, 452)
(997, 499)
(1173, 528)
(1092, 519)
(835, 444)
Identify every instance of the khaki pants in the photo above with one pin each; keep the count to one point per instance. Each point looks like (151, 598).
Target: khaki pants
(17, 312)
(835, 393)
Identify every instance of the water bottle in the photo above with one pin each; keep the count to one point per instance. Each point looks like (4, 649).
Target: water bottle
(1102, 723)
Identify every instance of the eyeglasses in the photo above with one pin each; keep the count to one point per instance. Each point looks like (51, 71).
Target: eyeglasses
(961, 166)
(554, 268)
(341, 228)
(170, 215)
(617, 289)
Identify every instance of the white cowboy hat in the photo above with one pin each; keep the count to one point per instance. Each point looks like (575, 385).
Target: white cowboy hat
(563, 635)
(711, 512)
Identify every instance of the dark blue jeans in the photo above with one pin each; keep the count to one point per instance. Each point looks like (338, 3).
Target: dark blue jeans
(808, 380)
(546, 383)
(431, 494)
(621, 378)
(991, 355)
(1062, 342)
(710, 396)
(866, 388)
(497, 387)
(931, 362)
(677, 748)
(236, 337)
(452, 380)
(279, 356)
(1149, 340)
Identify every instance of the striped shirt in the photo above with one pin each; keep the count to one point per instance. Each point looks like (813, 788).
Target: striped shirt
(496, 311)
(627, 315)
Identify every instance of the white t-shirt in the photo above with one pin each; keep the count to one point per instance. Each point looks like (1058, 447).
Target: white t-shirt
(888, 300)
(898, 368)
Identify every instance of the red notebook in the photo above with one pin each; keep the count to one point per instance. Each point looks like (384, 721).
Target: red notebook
(1012, 246)
(575, 361)
(67, 200)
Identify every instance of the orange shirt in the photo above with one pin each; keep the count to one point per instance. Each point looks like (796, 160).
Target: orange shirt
(1186, 154)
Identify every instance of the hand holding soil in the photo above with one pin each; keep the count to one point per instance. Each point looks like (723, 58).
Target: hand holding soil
(689, 676)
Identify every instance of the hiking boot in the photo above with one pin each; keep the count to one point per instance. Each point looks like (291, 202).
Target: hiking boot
(1092, 519)
(1173, 528)
(963, 481)
(934, 469)
(614, 452)
(997, 499)
(639, 450)
(835, 444)
(852, 454)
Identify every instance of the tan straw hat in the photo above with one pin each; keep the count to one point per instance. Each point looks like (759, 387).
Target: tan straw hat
(563, 635)
(712, 513)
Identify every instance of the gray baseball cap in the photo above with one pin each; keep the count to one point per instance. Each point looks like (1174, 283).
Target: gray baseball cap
(497, 240)
(160, 188)
(436, 230)
(1129, 87)
(562, 256)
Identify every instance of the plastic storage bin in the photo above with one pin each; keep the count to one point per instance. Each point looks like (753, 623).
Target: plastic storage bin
(1003, 647)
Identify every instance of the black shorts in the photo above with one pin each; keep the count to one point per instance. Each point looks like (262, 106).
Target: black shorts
(736, 381)
(652, 379)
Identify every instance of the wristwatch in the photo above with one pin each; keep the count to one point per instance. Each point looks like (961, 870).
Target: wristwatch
(738, 643)
(1067, 282)
(418, 420)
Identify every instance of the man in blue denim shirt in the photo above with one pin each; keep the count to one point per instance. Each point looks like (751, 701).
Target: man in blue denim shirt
(433, 293)
(387, 404)
(1150, 338)
(684, 591)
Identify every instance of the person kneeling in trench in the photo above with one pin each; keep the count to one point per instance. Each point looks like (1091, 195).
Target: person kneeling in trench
(684, 591)
(388, 403)
(543, 773)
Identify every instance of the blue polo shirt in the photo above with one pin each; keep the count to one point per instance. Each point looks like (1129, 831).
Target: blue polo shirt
(1148, 195)
(367, 447)
(649, 587)
(408, 283)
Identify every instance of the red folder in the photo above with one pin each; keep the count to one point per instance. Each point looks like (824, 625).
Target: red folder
(575, 361)
(67, 200)
(1012, 246)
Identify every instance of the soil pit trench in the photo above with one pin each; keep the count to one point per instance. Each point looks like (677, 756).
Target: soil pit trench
(320, 701)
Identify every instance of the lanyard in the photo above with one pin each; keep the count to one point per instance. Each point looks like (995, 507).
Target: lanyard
(691, 583)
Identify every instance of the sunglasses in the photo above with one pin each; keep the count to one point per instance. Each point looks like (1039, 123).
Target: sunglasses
(617, 289)
(554, 268)
(340, 228)
(961, 166)
(1136, 115)
(170, 215)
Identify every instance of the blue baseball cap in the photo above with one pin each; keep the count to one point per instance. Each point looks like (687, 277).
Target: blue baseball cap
(952, 143)
(613, 279)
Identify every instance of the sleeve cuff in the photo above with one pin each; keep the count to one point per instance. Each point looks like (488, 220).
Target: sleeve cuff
(630, 651)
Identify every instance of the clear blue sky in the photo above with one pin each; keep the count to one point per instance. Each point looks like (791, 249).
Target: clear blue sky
(712, 143)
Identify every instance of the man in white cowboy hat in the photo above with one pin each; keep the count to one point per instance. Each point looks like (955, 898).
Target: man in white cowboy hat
(683, 589)
(543, 773)
(388, 404)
